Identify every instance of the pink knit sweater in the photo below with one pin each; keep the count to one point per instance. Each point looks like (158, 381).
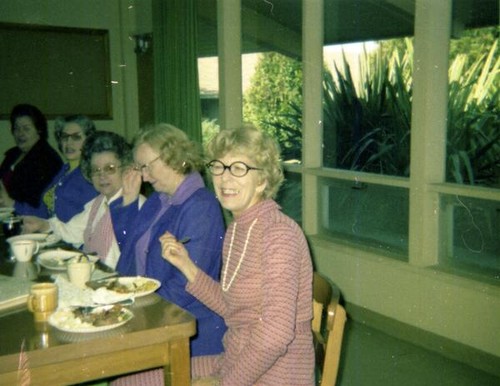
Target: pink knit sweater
(265, 297)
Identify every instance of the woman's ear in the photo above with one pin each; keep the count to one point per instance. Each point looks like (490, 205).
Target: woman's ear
(261, 187)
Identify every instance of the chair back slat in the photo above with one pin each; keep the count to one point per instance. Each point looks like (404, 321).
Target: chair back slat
(328, 327)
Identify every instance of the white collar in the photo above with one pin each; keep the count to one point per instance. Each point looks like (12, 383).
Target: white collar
(117, 195)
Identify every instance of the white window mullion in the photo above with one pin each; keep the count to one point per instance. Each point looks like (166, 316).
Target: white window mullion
(428, 127)
(312, 127)
(229, 47)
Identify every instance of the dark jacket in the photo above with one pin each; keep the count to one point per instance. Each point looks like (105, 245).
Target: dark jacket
(32, 174)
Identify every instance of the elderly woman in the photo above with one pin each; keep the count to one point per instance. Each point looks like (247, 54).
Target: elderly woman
(106, 158)
(184, 207)
(28, 168)
(265, 294)
(69, 191)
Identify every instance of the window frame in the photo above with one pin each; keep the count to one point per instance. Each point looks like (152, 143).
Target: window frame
(426, 183)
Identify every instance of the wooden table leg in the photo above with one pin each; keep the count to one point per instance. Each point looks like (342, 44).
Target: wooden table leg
(178, 371)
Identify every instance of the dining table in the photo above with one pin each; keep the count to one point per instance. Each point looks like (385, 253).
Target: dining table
(37, 353)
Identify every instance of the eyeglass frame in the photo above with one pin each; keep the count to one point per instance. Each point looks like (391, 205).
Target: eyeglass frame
(107, 170)
(75, 137)
(146, 166)
(228, 167)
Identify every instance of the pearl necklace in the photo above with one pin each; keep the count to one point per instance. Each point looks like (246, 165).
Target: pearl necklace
(225, 287)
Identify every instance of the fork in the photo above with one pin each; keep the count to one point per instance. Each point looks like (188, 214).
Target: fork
(184, 240)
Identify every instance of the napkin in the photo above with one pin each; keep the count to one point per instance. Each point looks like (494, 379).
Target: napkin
(73, 296)
(70, 295)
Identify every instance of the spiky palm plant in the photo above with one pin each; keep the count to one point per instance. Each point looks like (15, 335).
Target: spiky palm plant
(473, 145)
(370, 117)
(367, 116)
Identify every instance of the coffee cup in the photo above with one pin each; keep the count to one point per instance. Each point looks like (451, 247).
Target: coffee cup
(80, 272)
(42, 300)
(23, 250)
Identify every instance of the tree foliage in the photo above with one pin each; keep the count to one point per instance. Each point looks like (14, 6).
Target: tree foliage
(270, 102)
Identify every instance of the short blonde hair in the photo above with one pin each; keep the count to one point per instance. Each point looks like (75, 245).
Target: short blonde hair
(261, 148)
(173, 145)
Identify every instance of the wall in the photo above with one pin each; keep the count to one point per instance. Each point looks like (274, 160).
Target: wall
(115, 15)
(453, 307)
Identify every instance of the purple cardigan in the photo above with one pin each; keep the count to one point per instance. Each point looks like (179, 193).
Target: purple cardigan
(195, 212)
(71, 194)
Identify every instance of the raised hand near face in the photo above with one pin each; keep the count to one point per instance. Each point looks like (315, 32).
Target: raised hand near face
(131, 186)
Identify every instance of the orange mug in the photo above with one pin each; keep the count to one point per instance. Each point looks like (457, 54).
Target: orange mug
(43, 300)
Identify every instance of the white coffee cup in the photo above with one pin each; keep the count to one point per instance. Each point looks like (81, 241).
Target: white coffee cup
(80, 273)
(24, 250)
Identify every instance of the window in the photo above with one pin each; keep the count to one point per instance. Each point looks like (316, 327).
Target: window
(375, 215)
(470, 211)
(471, 232)
(367, 88)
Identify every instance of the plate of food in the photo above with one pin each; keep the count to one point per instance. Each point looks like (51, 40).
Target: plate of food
(133, 286)
(90, 319)
(45, 239)
(57, 259)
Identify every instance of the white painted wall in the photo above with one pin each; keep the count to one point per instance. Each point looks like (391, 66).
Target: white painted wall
(454, 307)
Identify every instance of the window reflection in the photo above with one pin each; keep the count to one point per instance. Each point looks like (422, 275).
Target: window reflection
(376, 215)
(472, 232)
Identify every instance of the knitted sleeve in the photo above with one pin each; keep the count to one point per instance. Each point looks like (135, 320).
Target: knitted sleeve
(208, 291)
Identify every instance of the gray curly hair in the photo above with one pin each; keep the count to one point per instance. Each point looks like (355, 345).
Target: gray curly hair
(87, 125)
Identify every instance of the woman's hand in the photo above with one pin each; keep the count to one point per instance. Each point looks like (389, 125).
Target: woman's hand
(177, 255)
(131, 180)
(32, 224)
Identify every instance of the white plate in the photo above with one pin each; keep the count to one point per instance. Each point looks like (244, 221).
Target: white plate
(65, 320)
(133, 286)
(44, 239)
(57, 259)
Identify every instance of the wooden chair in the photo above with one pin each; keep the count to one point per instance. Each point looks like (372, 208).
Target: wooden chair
(328, 328)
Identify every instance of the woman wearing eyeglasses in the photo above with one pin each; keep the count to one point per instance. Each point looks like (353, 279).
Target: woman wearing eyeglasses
(106, 158)
(69, 191)
(265, 292)
(181, 204)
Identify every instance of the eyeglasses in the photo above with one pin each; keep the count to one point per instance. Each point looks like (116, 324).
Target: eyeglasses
(237, 169)
(74, 137)
(107, 170)
(145, 167)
